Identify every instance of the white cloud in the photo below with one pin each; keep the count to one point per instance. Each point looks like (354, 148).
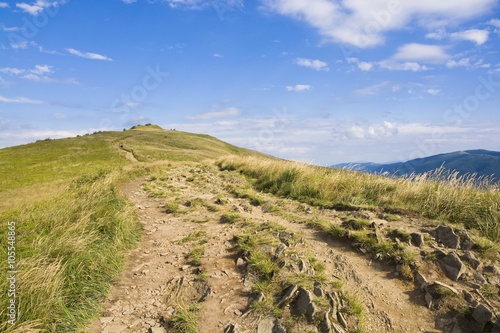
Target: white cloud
(421, 52)
(37, 7)
(35, 74)
(402, 66)
(4, 5)
(433, 91)
(474, 35)
(217, 55)
(88, 55)
(129, 1)
(365, 66)
(364, 23)
(372, 90)
(228, 112)
(312, 63)
(464, 62)
(19, 100)
(299, 87)
(439, 34)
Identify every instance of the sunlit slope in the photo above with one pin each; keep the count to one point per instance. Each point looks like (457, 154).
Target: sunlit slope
(37, 169)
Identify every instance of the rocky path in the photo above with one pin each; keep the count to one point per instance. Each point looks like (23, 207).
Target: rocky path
(186, 270)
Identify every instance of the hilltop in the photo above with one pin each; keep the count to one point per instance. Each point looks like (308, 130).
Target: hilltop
(152, 230)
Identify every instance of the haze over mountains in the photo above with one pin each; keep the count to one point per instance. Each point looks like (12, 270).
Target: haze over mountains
(482, 162)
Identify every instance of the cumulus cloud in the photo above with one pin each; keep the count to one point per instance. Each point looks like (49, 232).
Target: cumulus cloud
(4, 5)
(228, 112)
(474, 35)
(315, 64)
(364, 23)
(421, 52)
(299, 87)
(38, 6)
(88, 55)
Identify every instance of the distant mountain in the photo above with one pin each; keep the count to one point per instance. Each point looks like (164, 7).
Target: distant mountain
(481, 162)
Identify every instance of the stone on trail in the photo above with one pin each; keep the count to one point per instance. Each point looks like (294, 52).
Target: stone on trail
(452, 266)
(447, 237)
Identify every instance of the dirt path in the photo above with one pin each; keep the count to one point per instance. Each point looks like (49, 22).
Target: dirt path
(160, 276)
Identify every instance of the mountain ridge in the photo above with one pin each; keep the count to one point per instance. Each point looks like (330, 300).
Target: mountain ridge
(479, 162)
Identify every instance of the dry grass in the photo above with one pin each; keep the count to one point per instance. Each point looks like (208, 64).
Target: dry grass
(434, 195)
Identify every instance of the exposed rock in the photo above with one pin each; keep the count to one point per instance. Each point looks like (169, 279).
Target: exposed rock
(326, 324)
(282, 247)
(285, 237)
(267, 249)
(318, 291)
(421, 280)
(429, 300)
(492, 274)
(270, 325)
(417, 239)
(233, 328)
(341, 319)
(447, 237)
(452, 266)
(288, 295)
(478, 278)
(495, 328)
(466, 243)
(240, 262)
(115, 328)
(472, 260)
(482, 314)
(304, 305)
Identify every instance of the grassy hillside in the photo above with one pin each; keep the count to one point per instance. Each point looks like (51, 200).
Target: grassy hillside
(72, 225)
(455, 199)
(31, 172)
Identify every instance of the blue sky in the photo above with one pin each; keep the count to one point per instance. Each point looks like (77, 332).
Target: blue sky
(322, 81)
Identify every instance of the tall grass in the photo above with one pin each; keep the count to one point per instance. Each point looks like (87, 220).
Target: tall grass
(68, 251)
(437, 195)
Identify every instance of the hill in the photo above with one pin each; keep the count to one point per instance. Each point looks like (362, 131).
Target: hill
(482, 163)
(149, 230)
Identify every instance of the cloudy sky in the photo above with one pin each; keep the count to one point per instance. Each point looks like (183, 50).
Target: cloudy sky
(322, 81)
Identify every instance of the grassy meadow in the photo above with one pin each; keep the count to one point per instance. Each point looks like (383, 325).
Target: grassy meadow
(72, 224)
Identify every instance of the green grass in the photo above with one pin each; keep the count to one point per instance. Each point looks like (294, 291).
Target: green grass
(69, 249)
(185, 320)
(73, 225)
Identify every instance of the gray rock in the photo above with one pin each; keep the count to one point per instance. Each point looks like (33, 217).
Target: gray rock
(482, 314)
(281, 248)
(289, 294)
(233, 328)
(326, 324)
(470, 258)
(452, 266)
(304, 305)
(447, 237)
(466, 243)
(341, 319)
(417, 239)
(270, 325)
(429, 300)
(421, 280)
(285, 237)
(318, 291)
(478, 278)
(495, 328)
